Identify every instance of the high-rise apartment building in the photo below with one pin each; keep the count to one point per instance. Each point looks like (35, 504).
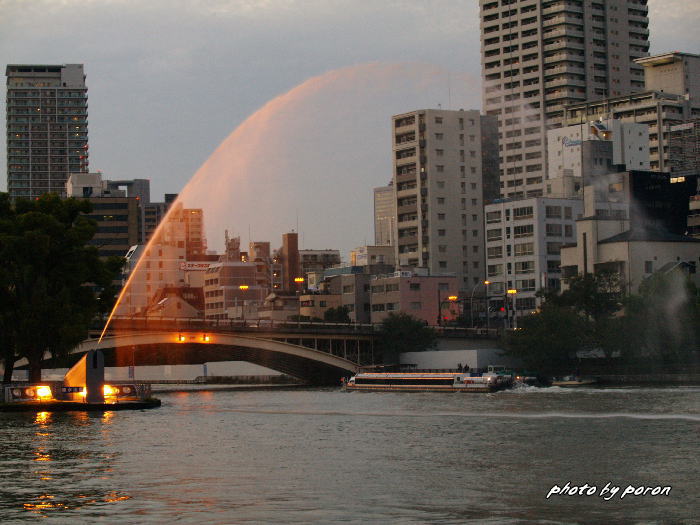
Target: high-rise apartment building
(384, 215)
(539, 56)
(47, 127)
(445, 168)
(671, 98)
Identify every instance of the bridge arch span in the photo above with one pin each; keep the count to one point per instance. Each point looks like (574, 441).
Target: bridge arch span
(304, 363)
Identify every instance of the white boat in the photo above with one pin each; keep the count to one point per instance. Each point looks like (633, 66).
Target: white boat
(574, 381)
(427, 382)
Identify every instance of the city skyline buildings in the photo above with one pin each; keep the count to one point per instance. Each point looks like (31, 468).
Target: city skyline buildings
(539, 56)
(124, 137)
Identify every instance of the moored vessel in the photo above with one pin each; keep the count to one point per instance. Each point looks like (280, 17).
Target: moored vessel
(574, 381)
(427, 382)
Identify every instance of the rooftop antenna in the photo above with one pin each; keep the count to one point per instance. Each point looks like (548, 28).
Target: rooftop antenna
(449, 90)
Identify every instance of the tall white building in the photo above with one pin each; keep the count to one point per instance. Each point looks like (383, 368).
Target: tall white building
(384, 215)
(47, 127)
(539, 56)
(445, 169)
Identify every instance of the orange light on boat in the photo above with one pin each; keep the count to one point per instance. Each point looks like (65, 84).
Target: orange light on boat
(205, 338)
(181, 338)
(108, 391)
(43, 392)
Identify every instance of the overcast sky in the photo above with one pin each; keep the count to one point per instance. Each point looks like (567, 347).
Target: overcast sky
(168, 81)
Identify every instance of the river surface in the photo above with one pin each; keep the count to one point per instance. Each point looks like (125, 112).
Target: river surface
(327, 456)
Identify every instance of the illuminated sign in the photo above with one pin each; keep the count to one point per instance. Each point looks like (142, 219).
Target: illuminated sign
(566, 142)
(194, 266)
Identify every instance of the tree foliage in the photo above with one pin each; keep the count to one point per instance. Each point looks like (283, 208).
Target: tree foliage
(341, 314)
(401, 332)
(660, 324)
(52, 284)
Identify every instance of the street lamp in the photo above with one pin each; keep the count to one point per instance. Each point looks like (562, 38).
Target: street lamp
(512, 292)
(471, 301)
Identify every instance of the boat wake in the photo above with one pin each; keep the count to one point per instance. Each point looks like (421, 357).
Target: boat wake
(511, 415)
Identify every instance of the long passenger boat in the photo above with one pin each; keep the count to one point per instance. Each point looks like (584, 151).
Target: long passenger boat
(427, 382)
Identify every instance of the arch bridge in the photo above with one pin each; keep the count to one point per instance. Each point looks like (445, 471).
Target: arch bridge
(314, 356)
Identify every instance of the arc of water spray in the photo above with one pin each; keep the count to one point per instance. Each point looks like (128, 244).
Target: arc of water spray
(250, 128)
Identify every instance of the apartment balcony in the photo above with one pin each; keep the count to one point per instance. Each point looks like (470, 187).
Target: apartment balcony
(561, 8)
(563, 32)
(564, 82)
(564, 18)
(564, 69)
(565, 43)
(564, 57)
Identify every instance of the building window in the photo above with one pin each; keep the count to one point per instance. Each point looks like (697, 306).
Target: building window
(494, 235)
(554, 212)
(441, 233)
(554, 230)
(568, 230)
(526, 248)
(648, 266)
(439, 152)
(493, 270)
(441, 200)
(494, 252)
(414, 286)
(441, 216)
(439, 136)
(523, 231)
(525, 267)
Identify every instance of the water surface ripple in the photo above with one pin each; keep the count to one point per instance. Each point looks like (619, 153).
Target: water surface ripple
(326, 456)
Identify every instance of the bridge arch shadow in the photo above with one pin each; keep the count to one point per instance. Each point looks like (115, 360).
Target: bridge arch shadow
(306, 364)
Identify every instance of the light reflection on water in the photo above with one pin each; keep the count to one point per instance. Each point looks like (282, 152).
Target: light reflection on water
(304, 456)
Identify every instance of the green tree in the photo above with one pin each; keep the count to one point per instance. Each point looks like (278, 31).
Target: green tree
(341, 314)
(548, 340)
(401, 332)
(662, 320)
(53, 283)
(599, 298)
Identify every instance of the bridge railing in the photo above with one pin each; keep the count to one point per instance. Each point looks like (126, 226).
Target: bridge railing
(137, 324)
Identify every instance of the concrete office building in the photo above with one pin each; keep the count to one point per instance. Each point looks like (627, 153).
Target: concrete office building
(384, 214)
(425, 297)
(445, 169)
(633, 225)
(117, 216)
(523, 242)
(539, 56)
(154, 213)
(317, 260)
(47, 127)
(671, 97)
(568, 153)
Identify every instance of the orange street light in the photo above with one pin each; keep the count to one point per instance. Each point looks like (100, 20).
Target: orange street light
(487, 282)
(243, 287)
(452, 298)
(298, 279)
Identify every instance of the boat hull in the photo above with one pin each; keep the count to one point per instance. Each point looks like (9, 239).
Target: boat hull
(420, 388)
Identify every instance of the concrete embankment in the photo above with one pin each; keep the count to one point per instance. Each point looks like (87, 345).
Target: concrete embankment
(650, 379)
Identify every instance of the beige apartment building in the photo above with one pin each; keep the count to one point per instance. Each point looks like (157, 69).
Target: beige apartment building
(445, 169)
(539, 56)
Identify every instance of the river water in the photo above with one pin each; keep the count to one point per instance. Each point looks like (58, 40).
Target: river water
(327, 456)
